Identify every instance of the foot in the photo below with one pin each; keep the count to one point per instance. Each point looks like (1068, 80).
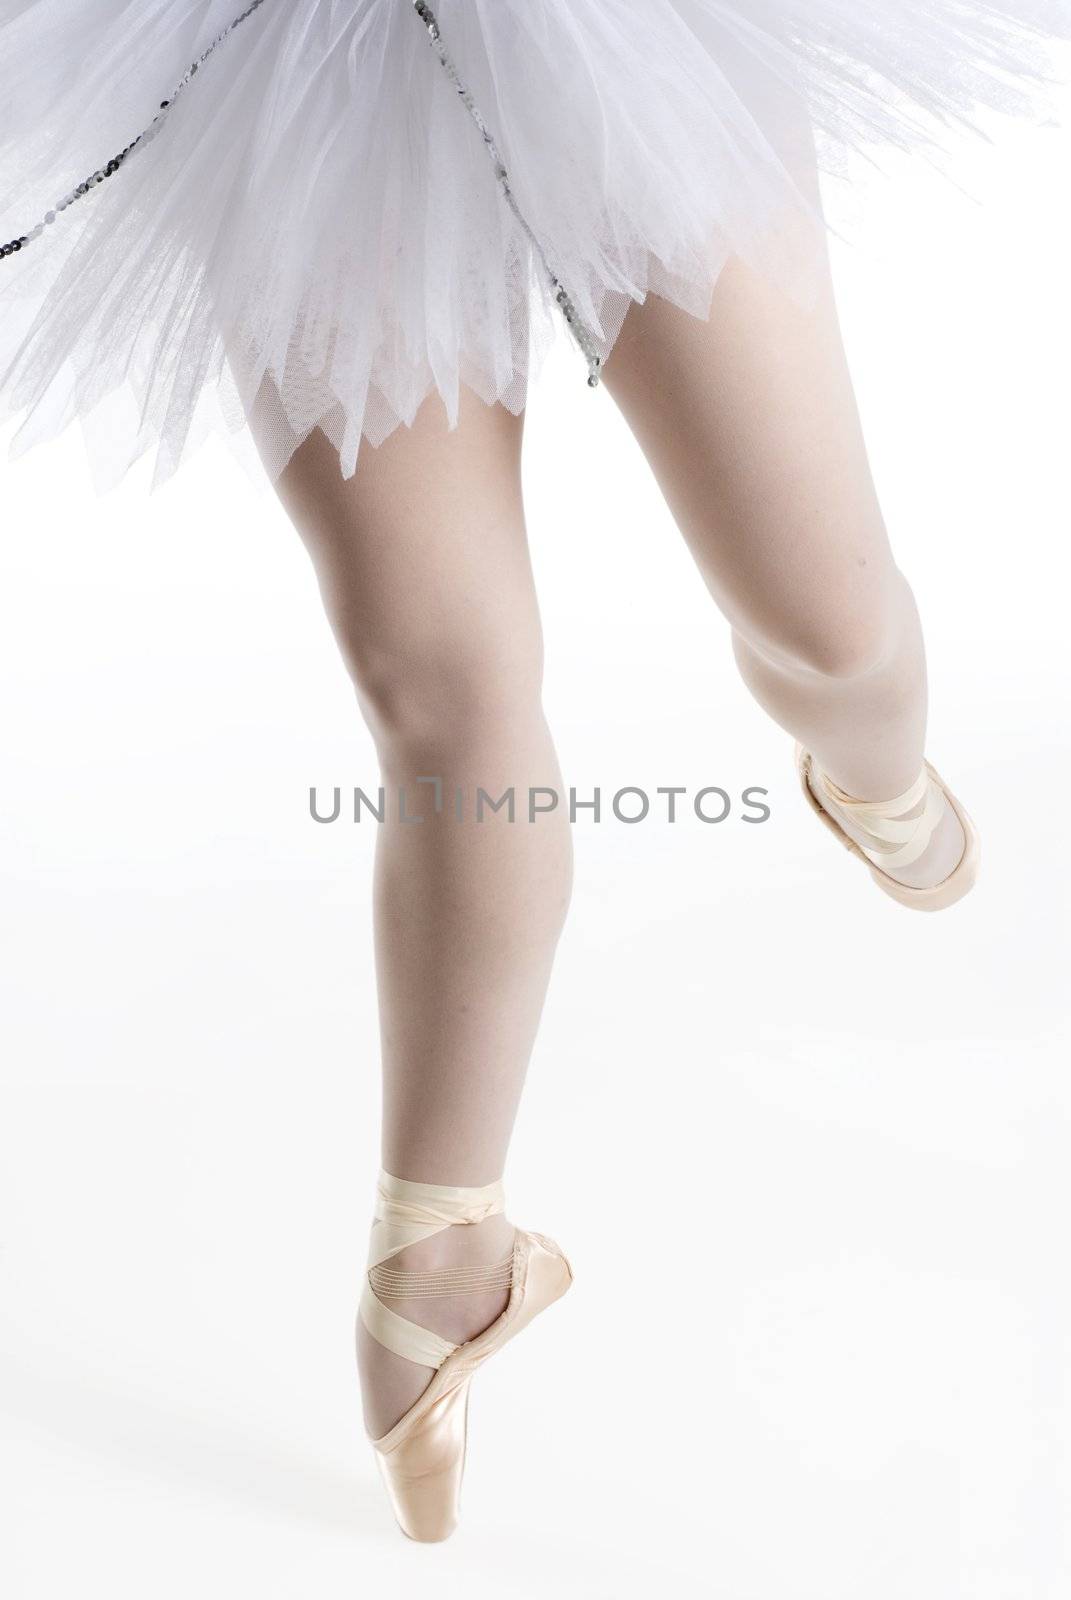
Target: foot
(940, 859)
(390, 1385)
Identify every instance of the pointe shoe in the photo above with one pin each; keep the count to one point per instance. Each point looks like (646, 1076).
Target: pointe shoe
(422, 1458)
(900, 831)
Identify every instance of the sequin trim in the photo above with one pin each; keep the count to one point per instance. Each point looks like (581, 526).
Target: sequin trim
(567, 306)
(576, 324)
(111, 167)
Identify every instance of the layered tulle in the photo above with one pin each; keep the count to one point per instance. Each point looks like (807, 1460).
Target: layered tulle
(317, 238)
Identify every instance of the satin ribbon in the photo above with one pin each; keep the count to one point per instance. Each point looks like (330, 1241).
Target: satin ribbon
(405, 1213)
(896, 837)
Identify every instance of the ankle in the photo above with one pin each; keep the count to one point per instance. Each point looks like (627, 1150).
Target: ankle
(454, 1285)
(465, 1244)
(442, 1257)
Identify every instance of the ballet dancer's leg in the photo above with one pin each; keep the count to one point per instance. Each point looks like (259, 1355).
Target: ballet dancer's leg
(749, 422)
(423, 564)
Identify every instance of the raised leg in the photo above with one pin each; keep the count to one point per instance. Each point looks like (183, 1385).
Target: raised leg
(750, 424)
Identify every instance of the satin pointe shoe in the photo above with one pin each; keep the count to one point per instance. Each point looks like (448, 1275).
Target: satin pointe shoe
(422, 1458)
(898, 832)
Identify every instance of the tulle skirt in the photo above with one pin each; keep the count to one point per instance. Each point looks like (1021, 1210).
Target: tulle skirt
(323, 230)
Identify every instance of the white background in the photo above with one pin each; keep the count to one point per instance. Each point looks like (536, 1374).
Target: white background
(809, 1153)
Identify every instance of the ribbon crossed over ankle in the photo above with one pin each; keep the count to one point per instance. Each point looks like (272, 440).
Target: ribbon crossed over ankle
(898, 831)
(405, 1213)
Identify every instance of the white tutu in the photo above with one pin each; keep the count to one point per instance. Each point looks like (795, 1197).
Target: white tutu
(316, 236)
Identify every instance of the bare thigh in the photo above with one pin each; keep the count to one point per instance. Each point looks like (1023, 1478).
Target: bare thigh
(423, 563)
(750, 424)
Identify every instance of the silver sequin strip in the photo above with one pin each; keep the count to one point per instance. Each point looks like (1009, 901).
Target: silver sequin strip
(579, 329)
(111, 167)
(577, 326)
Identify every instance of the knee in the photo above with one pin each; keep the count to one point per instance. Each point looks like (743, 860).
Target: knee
(843, 631)
(440, 699)
(854, 646)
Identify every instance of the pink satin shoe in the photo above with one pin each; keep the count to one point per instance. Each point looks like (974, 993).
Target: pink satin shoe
(422, 1458)
(897, 832)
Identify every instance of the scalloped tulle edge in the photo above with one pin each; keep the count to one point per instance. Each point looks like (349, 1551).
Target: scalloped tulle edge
(133, 325)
